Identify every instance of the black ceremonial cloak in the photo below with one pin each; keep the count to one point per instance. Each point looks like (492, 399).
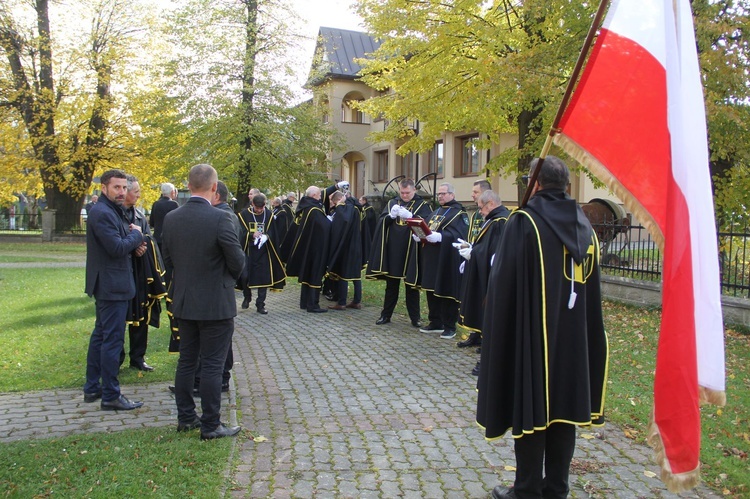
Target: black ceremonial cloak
(148, 273)
(345, 251)
(282, 220)
(287, 242)
(443, 277)
(394, 254)
(477, 269)
(263, 266)
(543, 362)
(369, 224)
(308, 253)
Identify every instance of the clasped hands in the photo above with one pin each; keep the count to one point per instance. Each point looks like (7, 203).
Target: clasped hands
(259, 239)
(399, 211)
(464, 248)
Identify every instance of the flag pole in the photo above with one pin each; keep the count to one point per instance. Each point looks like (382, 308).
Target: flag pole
(566, 96)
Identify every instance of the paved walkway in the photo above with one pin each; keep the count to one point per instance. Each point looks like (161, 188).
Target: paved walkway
(349, 409)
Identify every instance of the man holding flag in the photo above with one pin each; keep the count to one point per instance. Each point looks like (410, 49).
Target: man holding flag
(544, 352)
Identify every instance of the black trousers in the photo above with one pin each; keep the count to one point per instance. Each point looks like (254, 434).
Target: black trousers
(225, 376)
(543, 462)
(442, 311)
(209, 341)
(309, 298)
(391, 299)
(138, 337)
(260, 301)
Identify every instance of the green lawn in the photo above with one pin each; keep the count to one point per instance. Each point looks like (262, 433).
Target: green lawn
(46, 320)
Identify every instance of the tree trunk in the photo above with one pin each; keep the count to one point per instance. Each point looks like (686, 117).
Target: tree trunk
(244, 175)
(528, 129)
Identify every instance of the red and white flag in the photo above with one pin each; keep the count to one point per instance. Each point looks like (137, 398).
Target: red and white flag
(637, 120)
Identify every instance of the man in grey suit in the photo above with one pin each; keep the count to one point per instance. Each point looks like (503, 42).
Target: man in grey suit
(201, 243)
(109, 279)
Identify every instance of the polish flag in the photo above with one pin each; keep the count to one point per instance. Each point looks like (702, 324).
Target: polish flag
(637, 120)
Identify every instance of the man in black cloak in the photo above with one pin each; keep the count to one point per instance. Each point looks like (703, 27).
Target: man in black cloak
(441, 278)
(259, 238)
(394, 255)
(479, 258)
(544, 350)
(308, 252)
(345, 252)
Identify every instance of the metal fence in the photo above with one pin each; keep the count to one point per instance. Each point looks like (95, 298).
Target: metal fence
(629, 251)
(24, 222)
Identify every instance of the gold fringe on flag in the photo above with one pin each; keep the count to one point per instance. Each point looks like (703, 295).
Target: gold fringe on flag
(675, 482)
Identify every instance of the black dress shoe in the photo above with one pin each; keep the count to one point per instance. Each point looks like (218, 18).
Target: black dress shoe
(245, 303)
(475, 371)
(262, 310)
(500, 492)
(121, 404)
(141, 366)
(473, 339)
(192, 425)
(417, 324)
(317, 310)
(225, 387)
(220, 432)
(91, 397)
(383, 320)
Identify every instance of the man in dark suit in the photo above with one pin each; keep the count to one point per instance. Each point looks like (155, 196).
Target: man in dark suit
(201, 243)
(109, 279)
(159, 210)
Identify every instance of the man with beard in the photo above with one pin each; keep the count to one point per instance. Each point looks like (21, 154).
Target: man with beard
(395, 256)
(259, 238)
(149, 284)
(109, 279)
(441, 279)
(345, 260)
(308, 251)
(479, 258)
(544, 351)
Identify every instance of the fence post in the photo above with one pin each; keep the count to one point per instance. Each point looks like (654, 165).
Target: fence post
(48, 224)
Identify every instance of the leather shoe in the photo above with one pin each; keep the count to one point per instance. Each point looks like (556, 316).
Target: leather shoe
(355, 306)
(225, 387)
(245, 303)
(383, 320)
(317, 310)
(417, 323)
(91, 397)
(475, 371)
(473, 339)
(262, 310)
(337, 307)
(121, 404)
(142, 366)
(500, 492)
(192, 425)
(220, 432)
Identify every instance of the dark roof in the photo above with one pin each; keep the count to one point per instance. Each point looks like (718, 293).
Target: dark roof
(340, 47)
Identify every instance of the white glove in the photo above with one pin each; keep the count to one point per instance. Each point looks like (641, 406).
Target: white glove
(434, 237)
(395, 210)
(262, 240)
(465, 252)
(403, 212)
(415, 237)
(461, 267)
